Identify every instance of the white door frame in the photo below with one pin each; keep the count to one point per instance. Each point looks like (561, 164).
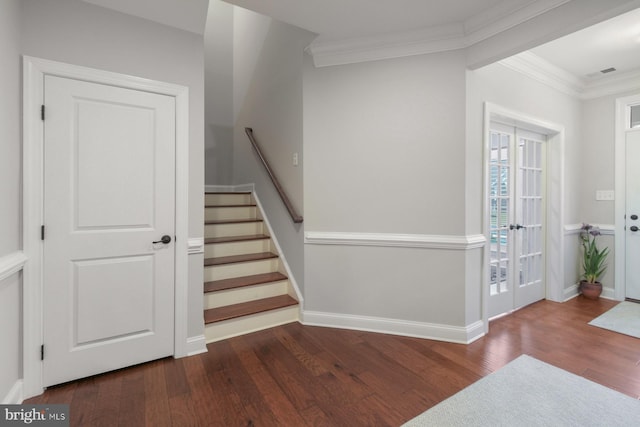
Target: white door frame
(554, 234)
(621, 123)
(34, 70)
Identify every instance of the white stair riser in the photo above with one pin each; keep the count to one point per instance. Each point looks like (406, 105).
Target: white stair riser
(243, 325)
(227, 199)
(228, 271)
(247, 293)
(237, 248)
(245, 212)
(239, 229)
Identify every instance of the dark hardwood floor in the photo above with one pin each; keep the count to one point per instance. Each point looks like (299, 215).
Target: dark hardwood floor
(298, 375)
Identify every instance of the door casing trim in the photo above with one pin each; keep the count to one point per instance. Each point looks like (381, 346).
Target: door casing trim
(620, 264)
(34, 70)
(554, 194)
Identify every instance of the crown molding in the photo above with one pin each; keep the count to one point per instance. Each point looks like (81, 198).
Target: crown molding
(612, 84)
(541, 70)
(504, 16)
(430, 40)
(533, 66)
(395, 45)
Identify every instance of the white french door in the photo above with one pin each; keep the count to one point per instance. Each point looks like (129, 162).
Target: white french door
(516, 220)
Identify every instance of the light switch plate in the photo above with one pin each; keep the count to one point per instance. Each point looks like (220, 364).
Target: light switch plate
(605, 195)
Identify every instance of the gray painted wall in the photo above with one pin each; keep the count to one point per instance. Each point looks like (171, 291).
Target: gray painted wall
(10, 191)
(219, 94)
(79, 33)
(10, 128)
(272, 106)
(385, 153)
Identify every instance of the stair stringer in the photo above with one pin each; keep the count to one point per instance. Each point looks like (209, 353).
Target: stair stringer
(278, 248)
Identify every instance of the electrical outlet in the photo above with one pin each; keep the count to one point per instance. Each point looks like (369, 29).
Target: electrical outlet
(605, 195)
(295, 159)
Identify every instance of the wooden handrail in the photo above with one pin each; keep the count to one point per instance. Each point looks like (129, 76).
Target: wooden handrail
(292, 211)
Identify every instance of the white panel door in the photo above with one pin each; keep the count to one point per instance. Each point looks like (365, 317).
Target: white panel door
(632, 229)
(109, 193)
(516, 223)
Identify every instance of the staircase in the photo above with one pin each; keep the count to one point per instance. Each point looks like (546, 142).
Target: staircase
(246, 288)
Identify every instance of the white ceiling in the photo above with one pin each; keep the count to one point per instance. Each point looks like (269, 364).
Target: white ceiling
(341, 19)
(613, 43)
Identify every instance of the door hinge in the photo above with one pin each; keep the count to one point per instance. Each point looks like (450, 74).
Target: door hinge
(42, 352)
(42, 232)
(42, 112)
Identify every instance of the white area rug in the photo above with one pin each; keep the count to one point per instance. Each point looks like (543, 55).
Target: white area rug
(623, 318)
(528, 392)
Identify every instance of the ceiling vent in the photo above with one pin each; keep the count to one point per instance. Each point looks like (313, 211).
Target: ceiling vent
(608, 70)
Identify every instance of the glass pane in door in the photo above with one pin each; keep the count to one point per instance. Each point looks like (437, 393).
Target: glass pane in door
(500, 211)
(530, 212)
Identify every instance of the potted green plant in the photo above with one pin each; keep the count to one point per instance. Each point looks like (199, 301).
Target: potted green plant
(594, 262)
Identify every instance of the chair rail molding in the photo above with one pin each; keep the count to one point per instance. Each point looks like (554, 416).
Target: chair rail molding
(11, 264)
(424, 241)
(195, 245)
(605, 229)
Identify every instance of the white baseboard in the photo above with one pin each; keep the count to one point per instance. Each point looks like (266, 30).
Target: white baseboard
(608, 293)
(15, 395)
(196, 345)
(454, 334)
(572, 292)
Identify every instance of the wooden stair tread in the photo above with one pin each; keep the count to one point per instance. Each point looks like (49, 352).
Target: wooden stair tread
(229, 239)
(239, 258)
(219, 314)
(227, 192)
(247, 205)
(232, 221)
(239, 282)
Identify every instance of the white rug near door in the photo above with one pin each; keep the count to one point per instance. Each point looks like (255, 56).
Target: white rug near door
(623, 318)
(528, 392)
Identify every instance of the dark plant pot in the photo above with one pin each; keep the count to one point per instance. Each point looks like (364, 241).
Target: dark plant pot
(590, 290)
